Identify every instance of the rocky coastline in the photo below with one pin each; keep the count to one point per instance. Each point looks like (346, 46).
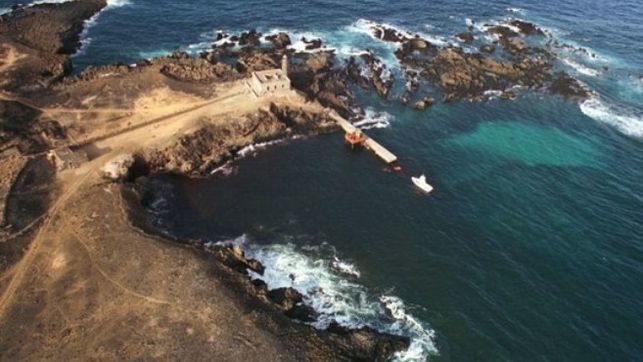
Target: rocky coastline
(38, 90)
(42, 80)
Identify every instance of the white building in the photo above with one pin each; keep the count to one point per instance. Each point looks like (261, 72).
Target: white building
(272, 81)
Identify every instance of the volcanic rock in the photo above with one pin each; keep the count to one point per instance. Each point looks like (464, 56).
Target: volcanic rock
(280, 41)
(369, 344)
(527, 28)
(285, 298)
(312, 44)
(466, 37)
(424, 103)
(568, 87)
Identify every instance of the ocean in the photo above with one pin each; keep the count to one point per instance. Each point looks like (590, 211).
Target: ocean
(531, 245)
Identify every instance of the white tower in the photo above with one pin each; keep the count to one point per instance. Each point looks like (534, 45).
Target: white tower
(284, 65)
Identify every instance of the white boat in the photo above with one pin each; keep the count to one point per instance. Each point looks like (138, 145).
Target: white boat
(421, 183)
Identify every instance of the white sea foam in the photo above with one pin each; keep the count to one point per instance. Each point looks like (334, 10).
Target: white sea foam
(366, 26)
(374, 119)
(254, 148)
(226, 169)
(344, 267)
(580, 68)
(515, 10)
(626, 120)
(110, 3)
(154, 54)
(322, 280)
(492, 93)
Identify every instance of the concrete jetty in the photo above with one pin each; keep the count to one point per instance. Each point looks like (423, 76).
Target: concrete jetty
(386, 155)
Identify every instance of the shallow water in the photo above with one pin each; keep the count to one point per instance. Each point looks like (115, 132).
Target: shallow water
(530, 247)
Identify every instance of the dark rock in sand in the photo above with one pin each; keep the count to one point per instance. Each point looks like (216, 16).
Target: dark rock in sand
(466, 37)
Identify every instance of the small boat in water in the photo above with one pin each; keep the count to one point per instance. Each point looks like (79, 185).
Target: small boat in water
(421, 183)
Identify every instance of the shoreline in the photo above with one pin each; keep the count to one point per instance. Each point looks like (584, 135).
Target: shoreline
(167, 115)
(279, 303)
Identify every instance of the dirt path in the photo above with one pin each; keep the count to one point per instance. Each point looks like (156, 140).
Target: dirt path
(22, 267)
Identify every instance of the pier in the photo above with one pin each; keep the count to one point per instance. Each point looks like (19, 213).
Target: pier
(386, 155)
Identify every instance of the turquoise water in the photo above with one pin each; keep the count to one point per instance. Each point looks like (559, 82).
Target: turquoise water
(530, 247)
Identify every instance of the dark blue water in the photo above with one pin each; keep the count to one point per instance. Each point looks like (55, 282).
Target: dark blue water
(530, 247)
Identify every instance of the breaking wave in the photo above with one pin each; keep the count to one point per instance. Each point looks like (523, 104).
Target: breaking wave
(580, 68)
(626, 120)
(110, 3)
(374, 119)
(329, 285)
(366, 26)
(256, 147)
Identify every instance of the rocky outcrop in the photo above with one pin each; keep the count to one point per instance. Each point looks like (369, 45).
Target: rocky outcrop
(198, 153)
(249, 38)
(46, 35)
(380, 76)
(312, 43)
(234, 258)
(466, 37)
(181, 66)
(568, 87)
(462, 75)
(424, 103)
(527, 28)
(51, 28)
(369, 344)
(280, 41)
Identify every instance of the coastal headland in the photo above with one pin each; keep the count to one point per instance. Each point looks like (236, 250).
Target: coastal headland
(84, 275)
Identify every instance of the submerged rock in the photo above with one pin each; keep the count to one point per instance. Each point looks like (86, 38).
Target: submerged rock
(424, 103)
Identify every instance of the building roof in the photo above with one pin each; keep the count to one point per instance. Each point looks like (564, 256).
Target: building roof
(270, 75)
